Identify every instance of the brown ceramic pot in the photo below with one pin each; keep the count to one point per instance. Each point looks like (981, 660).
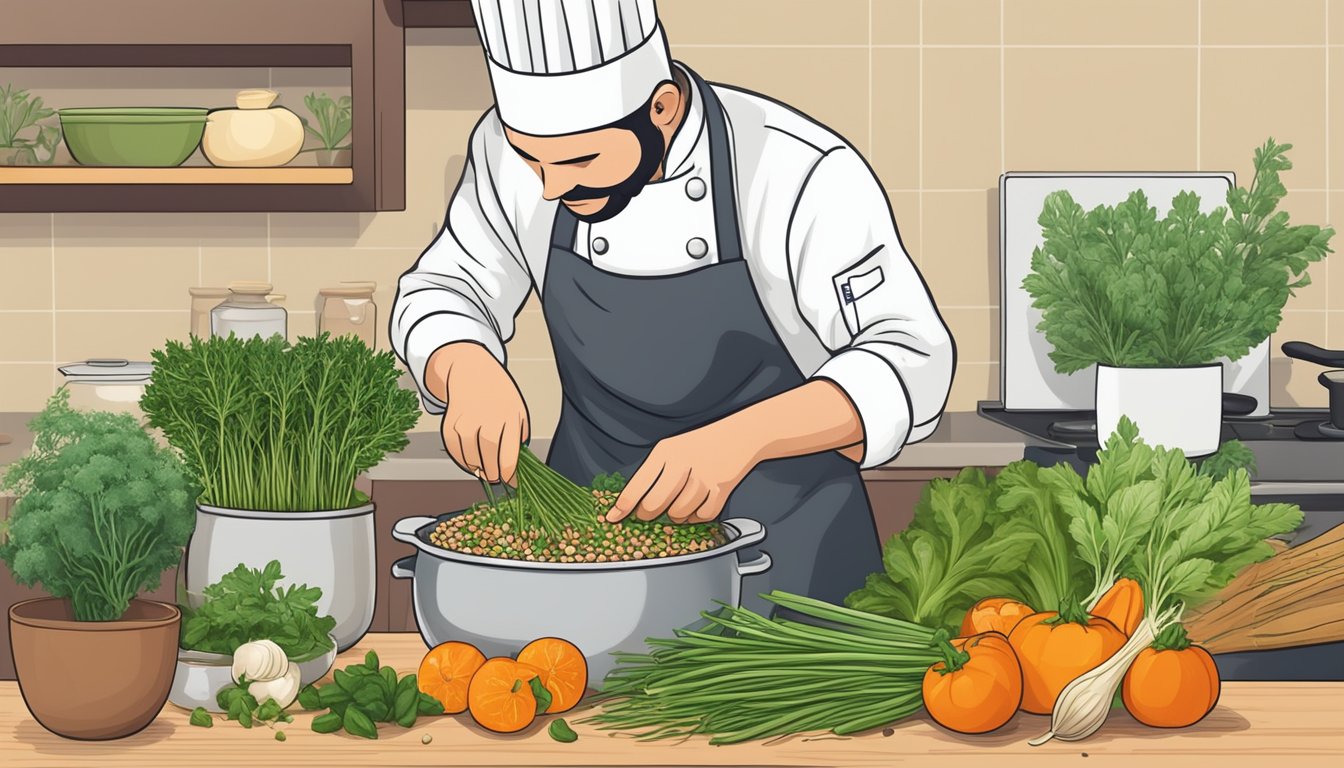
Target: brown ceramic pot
(94, 679)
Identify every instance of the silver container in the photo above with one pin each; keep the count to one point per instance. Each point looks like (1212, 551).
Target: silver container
(501, 605)
(332, 550)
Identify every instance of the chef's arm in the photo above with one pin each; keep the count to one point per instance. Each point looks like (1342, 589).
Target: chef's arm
(891, 354)
(470, 283)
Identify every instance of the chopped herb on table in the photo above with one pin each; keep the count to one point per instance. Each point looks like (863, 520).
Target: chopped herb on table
(245, 604)
(363, 695)
(202, 719)
(561, 732)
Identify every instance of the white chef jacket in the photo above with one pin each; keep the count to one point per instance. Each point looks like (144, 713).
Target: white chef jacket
(819, 242)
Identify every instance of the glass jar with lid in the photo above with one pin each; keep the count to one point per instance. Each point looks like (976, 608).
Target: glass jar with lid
(204, 299)
(247, 313)
(348, 309)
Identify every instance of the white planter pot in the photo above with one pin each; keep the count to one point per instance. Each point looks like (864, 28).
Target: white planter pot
(1173, 407)
(332, 550)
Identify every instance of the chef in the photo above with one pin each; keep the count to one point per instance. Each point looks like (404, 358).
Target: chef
(737, 326)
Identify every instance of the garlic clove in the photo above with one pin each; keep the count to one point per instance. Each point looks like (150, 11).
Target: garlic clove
(259, 660)
(284, 689)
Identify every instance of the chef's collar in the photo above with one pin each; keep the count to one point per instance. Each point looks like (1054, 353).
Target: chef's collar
(688, 150)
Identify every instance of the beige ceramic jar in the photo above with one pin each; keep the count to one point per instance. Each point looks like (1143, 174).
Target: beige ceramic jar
(255, 135)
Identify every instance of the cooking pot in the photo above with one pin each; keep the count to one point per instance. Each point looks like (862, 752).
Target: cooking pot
(500, 605)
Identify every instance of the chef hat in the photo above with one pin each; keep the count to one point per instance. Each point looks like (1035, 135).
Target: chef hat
(565, 66)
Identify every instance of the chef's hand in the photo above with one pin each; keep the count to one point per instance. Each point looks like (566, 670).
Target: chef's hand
(689, 476)
(486, 420)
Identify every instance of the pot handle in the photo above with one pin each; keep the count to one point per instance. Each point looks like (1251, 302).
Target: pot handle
(756, 565)
(404, 568)
(749, 531)
(406, 527)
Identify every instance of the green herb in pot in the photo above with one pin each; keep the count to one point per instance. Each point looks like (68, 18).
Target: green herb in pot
(265, 425)
(245, 605)
(333, 118)
(20, 112)
(1119, 286)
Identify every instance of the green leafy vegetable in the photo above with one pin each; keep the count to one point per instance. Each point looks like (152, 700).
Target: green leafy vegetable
(1230, 456)
(245, 605)
(102, 510)
(359, 724)
(539, 692)
(329, 722)
(201, 719)
(561, 732)
(1119, 286)
(953, 553)
(265, 425)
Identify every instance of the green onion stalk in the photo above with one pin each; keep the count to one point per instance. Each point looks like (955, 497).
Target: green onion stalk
(745, 676)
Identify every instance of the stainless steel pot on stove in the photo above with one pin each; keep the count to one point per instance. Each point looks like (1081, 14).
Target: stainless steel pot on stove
(500, 605)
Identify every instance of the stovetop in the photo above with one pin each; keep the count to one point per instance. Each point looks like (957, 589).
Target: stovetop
(1281, 456)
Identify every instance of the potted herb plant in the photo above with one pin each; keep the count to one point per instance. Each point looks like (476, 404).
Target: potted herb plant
(21, 113)
(102, 511)
(276, 435)
(333, 126)
(1156, 302)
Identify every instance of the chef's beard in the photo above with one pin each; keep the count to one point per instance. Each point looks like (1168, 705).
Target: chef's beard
(651, 152)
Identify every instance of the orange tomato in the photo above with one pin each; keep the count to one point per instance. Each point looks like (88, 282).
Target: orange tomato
(500, 696)
(446, 671)
(564, 670)
(1171, 688)
(1052, 655)
(994, 614)
(983, 693)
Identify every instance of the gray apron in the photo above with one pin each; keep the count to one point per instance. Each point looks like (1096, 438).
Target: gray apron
(644, 358)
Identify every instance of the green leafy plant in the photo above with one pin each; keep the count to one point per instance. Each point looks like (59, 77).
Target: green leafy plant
(242, 706)
(246, 605)
(334, 119)
(266, 425)
(20, 112)
(363, 695)
(1119, 286)
(102, 509)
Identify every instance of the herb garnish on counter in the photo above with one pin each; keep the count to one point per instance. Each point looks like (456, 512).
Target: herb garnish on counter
(245, 605)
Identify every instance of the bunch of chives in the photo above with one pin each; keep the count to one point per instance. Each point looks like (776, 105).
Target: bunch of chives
(549, 501)
(748, 677)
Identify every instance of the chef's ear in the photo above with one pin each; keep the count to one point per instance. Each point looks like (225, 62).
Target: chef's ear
(665, 104)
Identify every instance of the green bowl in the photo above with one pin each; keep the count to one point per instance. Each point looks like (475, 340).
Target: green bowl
(138, 137)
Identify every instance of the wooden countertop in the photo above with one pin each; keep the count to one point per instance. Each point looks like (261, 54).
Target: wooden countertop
(1255, 724)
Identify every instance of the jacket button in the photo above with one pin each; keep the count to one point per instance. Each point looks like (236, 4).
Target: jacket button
(599, 245)
(697, 247)
(695, 188)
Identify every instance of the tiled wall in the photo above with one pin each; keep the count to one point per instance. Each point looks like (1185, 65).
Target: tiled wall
(941, 95)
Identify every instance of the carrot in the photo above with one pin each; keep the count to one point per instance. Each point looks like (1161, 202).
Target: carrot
(1172, 684)
(1054, 648)
(564, 670)
(1122, 604)
(994, 614)
(977, 687)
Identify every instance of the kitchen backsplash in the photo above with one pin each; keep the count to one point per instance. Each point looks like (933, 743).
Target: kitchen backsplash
(941, 95)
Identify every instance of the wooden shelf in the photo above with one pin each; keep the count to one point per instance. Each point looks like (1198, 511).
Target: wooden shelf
(83, 175)
(437, 13)
(365, 36)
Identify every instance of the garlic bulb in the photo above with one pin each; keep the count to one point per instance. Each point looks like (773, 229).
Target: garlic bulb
(284, 689)
(259, 660)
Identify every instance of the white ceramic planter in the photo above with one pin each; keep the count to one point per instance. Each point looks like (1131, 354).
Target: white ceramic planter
(1173, 407)
(332, 550)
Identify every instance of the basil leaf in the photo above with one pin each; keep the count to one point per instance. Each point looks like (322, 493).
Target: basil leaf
(269, 710)
(330, 696)
(542, 695)
(201, 719)
(329, 723)
(389, 676)
(428, 705)
(404, 711)
(561, 732)
(371, 660)
(359, 724)
(309, 698)
(345, 681)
